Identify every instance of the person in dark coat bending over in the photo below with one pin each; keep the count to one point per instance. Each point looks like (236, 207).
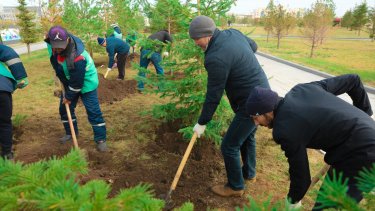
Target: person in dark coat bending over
(115, 47)
(311, 116)
(231, 65)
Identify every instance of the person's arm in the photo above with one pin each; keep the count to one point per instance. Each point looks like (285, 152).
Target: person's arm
(13, 61)
(217, 78)
(111, 55)
(299, 171)
(252, 44)
(350, 84)
(77, 77)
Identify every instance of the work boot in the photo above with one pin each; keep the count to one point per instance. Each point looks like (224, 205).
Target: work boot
(226, 191)
(101, 146)
(251, 180)
(65, 139)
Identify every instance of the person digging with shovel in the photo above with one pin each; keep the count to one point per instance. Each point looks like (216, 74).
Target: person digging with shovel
(12, 76)
(311, 116)
(115, 46)
(231, 65)
(76, 71)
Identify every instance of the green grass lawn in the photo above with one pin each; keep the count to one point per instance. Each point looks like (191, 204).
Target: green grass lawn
(335, 56)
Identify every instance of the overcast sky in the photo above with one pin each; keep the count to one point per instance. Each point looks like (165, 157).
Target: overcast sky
(246, 6)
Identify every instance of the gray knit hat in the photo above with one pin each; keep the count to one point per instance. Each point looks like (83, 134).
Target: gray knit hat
(201, 26)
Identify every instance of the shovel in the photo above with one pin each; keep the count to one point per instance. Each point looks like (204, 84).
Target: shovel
(75, 142)
(168, 200)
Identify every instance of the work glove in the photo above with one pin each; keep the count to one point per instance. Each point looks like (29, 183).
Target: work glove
(114, 65)
(199, 129)
(165, 54)
(109, 69)
(22, 83)
(295, 206)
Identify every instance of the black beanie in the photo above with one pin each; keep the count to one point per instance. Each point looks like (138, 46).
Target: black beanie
(261, 101)
(201, 26)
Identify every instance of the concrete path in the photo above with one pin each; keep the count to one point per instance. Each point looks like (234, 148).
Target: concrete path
(283, 77)
(22, 49)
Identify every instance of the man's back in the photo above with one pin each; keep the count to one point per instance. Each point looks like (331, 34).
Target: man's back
(311, 117)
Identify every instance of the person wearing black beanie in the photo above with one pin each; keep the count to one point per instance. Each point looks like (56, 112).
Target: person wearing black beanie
(232, 67)
(311, 116)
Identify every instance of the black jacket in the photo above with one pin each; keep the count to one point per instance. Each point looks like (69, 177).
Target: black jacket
(311, 116)
(231, 66)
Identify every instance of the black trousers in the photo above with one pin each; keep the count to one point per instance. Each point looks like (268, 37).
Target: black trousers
(121, 61)
(350, 170)
(5, 122)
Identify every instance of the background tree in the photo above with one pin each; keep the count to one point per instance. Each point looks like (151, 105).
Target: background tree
(360, 16)
(83, 19)
(347, 20)
(269, 18)
(127, 14)
(371, 26)
(51, 14)
(317, 22)
(26, 22)
(280, 23)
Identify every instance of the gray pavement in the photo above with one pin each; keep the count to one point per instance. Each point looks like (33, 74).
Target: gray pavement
(283, 77)
(22, 49)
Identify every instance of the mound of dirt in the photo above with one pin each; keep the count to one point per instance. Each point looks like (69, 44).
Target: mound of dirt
(115, 90)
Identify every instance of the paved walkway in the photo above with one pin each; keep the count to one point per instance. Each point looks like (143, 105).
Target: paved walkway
(22, 49)
(283, 77)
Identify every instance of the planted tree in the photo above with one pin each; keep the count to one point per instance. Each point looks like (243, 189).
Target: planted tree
(26, 22)
(126, 14)
(317, 22)
(55, 185)
(186, 92)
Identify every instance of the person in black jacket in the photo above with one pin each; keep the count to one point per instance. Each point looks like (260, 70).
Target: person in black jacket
(115, 46)
(311, 116)
(12, 76)
(231, 66)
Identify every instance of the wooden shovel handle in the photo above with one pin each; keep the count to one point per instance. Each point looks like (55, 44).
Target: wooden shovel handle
(183, 161)
(75, 142)
(106, 73)
(73, 132)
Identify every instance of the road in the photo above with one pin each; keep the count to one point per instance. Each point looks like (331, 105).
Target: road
(283, 77)
(21, 49)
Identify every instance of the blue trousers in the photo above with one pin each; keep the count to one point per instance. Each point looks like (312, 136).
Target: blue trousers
(239, 140)
(91, 103)
(6, 135)
(145, 61)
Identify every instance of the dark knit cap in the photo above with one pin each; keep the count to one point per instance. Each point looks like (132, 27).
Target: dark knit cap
(100, 40)
(201, 26)
(261, 101)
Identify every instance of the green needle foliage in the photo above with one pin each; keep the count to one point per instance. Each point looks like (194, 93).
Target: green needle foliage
(185, 85)
(53, 185)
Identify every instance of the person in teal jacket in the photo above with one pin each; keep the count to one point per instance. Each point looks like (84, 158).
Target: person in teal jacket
(12, 76)
(76, 71)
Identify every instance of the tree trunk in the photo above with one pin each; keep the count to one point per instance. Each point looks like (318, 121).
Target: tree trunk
(312, 49)
(268, 34)
(278, 41)
(28, 48)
